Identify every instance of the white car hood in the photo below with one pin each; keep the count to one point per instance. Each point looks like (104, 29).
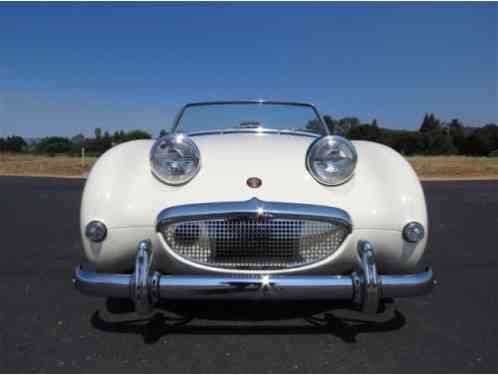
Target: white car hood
(384, 192)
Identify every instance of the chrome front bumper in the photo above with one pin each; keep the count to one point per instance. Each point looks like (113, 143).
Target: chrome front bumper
(364, 287)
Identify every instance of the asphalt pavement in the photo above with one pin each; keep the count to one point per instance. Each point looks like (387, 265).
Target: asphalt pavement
(46, 326)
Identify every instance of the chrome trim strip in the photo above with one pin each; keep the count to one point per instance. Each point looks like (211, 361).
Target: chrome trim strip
(253, 208)
(255, 131)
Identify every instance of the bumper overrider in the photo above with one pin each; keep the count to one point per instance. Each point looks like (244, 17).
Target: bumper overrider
(145, 287)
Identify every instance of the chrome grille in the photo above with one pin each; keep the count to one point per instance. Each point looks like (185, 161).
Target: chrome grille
(253, 243)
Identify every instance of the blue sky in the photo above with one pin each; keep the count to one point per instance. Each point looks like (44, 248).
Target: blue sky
(68, 68)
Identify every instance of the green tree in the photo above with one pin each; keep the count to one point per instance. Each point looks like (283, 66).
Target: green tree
(77, 143)
(365, 132)
(482, 141)
(457, 134)
(106, 141)
(78, 139)
(137, 134)
(345, 124)
(53, 145)
(313, 126)
(409, 143)
(492, 131)
(15, 144)
(116, 138)
(436, 138)
(98, 133)
(430, 123)
(331, 123)
(438, 142)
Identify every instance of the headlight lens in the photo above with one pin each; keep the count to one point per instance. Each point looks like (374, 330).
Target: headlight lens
(175, 159)
(331, 160)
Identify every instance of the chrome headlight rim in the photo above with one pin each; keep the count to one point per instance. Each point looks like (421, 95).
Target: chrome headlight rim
(178, 138)
(336, 138)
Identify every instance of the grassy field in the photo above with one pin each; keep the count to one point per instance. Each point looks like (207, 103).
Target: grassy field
(454, 167)
(36, 165)
(427, 167)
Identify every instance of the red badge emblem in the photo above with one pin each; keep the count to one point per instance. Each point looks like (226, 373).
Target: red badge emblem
(254, 182)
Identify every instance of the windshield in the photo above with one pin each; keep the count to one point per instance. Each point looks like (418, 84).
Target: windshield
(249, 115)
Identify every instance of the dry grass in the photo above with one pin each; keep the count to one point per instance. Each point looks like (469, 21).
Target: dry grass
(427, 167)
(36, 165)
(455, 167)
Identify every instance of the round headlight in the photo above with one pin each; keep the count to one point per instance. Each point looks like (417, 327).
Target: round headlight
(175, 159)
(331, 160)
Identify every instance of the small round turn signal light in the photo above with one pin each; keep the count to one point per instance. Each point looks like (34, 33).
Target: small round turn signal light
(96, 231)
(413, 232)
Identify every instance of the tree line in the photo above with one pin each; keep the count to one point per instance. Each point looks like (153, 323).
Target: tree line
(434, 137)
(97, 145)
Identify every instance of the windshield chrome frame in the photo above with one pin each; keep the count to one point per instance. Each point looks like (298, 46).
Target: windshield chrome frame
(255, 131)
(263, 102)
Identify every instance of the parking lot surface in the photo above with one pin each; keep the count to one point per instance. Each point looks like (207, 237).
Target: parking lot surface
(46, 326)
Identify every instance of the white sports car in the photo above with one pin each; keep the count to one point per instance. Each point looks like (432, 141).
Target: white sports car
(253, 199)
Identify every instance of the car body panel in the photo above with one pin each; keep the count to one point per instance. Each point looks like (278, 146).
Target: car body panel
(383, 195)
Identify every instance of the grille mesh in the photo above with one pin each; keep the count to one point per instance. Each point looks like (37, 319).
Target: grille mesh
(254, 244)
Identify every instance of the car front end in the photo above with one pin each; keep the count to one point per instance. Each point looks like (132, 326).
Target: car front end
(253, 213)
